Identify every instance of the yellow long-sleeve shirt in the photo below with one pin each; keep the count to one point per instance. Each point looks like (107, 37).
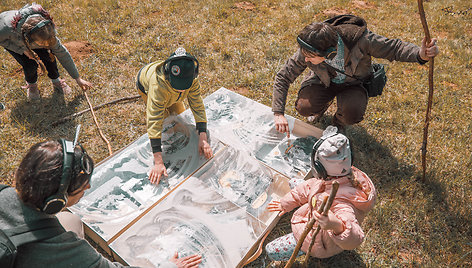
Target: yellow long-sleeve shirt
(161, 95)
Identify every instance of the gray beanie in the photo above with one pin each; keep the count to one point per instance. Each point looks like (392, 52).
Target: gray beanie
(334, 153)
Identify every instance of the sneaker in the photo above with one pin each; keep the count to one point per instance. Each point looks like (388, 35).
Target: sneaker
(62, 86)
(32, 92)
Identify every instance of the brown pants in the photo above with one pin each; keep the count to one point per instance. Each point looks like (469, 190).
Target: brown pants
(314, 100)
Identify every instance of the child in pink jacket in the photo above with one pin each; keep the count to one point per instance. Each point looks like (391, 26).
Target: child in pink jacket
(341, 228)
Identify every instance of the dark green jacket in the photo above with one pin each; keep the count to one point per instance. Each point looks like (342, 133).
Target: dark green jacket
(64, 250)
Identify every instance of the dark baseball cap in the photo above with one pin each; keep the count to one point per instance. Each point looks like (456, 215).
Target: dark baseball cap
(181, 73)
(181, 68)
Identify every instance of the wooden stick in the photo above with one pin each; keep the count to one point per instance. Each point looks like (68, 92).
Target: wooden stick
(96, 123)
(431, 89)
(307, 229)
(333, 193)
(69, 117)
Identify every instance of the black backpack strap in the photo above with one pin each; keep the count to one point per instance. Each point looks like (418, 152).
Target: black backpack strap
(34, 231)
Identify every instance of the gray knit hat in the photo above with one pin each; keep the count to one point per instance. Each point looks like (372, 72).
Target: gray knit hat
(334, 153)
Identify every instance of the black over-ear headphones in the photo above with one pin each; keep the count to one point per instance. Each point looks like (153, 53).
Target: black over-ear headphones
(316, 165)
(330, 53)
(172, 58)
(58, 201)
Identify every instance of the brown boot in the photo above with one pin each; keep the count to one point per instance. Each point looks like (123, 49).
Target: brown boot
(32, 92)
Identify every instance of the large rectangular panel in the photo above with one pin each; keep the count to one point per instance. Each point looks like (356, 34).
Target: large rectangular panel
(192, 219)
(120, 189)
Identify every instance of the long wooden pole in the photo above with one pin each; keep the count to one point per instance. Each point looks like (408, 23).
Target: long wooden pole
(64, 119)
(327, 202)
(431, 90)
(334, 191)
(98, 126)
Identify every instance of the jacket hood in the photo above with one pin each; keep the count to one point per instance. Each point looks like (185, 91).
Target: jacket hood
(26, 11)
(349, 27)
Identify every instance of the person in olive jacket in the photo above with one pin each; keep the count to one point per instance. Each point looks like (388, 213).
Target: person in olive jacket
(164, 85)
(342, 43)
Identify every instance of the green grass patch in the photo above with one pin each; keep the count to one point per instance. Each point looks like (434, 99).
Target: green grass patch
(242, 46)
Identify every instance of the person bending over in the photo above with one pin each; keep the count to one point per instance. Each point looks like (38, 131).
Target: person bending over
(163, 86)
(29, 35)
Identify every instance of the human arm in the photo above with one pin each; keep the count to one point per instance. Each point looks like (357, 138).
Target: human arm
(155, 117)
(186, 262)
(204, 147)
(391, 49)
(64, 57)
(197, 107)
(292, 68)
(342, 226)
(299, 195)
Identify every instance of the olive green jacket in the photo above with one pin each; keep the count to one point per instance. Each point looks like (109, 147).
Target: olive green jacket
(161, 95)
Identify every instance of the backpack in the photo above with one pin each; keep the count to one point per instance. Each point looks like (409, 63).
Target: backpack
(11, 239)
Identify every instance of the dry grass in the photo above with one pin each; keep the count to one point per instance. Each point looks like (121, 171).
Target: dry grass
(241, 46)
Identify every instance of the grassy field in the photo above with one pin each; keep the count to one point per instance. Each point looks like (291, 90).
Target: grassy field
(241, 46)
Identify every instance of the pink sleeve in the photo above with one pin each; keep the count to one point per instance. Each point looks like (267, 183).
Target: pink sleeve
(296, 197)
(353, 234)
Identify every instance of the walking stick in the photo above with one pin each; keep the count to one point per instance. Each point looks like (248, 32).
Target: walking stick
(98, 126)
(310, 224)
(431, 89)
(333, 193)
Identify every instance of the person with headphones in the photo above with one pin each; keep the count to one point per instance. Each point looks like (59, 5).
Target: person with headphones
(331, 161)
(338, 54)
(29, 35)
(164, 85)
(54, 175)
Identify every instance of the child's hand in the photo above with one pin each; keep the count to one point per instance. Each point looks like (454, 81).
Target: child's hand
(329, 222)
(276, 206)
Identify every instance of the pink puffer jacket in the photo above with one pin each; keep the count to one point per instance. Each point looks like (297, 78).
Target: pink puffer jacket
(350, 205)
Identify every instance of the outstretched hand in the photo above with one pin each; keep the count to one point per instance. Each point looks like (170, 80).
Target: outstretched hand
(430, 50)
(84, 85)
(186, 262)
(156, 173)
(204, 147)
(281, 124)
(276, 206)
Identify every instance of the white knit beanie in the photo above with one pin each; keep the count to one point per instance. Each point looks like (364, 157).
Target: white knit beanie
(334, 153)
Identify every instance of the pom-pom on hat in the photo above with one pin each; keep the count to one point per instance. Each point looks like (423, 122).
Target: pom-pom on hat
(181, 69)
(334, 153)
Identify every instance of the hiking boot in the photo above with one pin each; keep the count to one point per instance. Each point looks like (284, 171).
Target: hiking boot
(32, 92)
(62, 87)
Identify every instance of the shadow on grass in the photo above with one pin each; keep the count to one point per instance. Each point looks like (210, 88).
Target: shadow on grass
(37, 116)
